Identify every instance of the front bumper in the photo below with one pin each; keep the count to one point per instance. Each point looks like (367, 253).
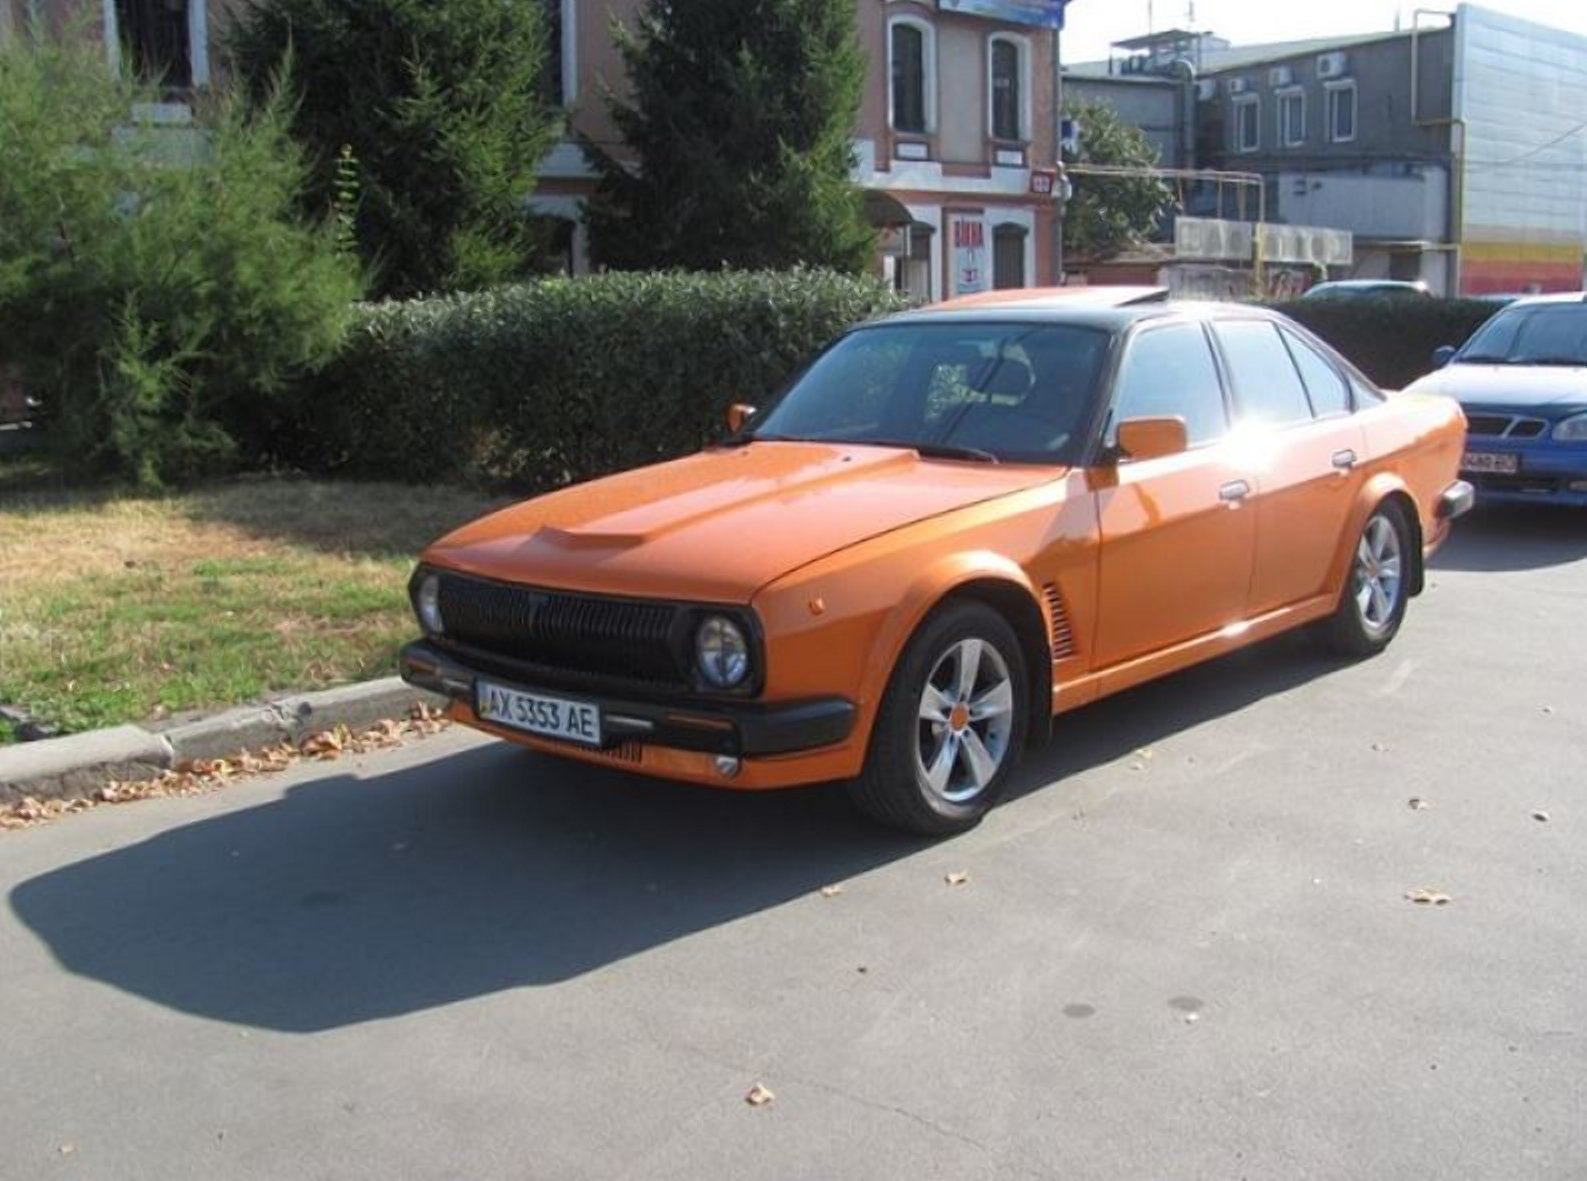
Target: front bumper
(1548, 472)
(744, 730)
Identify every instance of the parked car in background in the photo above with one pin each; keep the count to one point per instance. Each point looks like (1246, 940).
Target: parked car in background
(1522, 381)
(1369, 289)
(954, 524)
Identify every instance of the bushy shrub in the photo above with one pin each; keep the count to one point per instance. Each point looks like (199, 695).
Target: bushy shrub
(156, 290)
(547, 383)
(1390, 339)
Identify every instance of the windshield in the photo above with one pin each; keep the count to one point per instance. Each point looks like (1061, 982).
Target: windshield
(1544, 334)
(1014, 392)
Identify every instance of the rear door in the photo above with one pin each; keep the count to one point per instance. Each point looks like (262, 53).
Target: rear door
(1294, 415)
(1177, 536)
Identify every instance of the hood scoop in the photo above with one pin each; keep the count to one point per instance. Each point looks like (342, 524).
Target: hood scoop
(587, 539)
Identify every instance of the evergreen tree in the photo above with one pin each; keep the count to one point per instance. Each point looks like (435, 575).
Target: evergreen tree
(1112, 213)
(740, 125)
(443, 105)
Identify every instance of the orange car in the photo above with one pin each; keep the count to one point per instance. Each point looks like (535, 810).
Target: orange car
(954, 524)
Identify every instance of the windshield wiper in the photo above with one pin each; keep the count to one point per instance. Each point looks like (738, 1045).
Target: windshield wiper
(937, 450)
(1483, 359)
(1550, 360)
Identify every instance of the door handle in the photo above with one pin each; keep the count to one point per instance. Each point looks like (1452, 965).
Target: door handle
(1234, 492)
(1344, 460)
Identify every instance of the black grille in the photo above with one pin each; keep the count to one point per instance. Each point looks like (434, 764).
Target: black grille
(623, 639)
(1527, 428)
(1487, 424)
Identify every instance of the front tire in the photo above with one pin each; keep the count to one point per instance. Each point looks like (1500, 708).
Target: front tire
(951, 726)
(1378, 587)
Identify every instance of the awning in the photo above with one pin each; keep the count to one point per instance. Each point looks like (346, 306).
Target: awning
(886, 211)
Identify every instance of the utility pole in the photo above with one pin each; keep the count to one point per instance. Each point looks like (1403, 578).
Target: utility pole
(1060, 182)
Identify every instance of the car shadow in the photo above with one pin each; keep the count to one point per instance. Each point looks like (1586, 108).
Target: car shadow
(354, 899)
(1500, 537)
(350, 900)
(1141, 717)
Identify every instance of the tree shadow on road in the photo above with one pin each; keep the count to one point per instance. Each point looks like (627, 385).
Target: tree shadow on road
(1496, 538)
(350, 900)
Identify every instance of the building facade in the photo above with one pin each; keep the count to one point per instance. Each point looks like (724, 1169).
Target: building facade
(957, 117)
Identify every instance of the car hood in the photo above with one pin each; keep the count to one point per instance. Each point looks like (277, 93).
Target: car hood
(718, 526)
(1510, 387)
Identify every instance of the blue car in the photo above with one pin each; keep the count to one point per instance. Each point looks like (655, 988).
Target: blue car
(1522, 381)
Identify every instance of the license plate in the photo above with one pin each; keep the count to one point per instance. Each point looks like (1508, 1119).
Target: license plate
(1491, 461)
(536, 713)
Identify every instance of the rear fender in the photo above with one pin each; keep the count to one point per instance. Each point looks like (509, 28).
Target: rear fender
(1380, 487)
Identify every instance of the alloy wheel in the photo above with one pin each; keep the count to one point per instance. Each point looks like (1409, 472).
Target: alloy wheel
(1379, 574)
(966, 717)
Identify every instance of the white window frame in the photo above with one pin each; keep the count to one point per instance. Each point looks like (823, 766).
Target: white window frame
(1291, 94)
(1022, 50)
(197, 39)
(1254, 103)
(1334, 90)
(928, 33)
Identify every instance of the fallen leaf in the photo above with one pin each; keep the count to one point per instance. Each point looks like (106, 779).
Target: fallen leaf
(759, 1096)
(1540, 816)
(68, 1149)
(831, 891)
(1417, 804)
(1425, 897)
(957, 878)
(1548, 709)
(1379, 747)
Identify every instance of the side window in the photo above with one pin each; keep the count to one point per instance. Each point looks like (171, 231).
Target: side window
(1169, 373)
(1267, 387)
(1327, 389)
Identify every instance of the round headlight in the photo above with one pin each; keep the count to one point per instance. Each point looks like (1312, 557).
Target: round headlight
(427, 603)
(722, 652)
(1572, 430)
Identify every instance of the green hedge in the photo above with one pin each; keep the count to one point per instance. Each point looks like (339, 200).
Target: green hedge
(1390, 339)
(544, 384)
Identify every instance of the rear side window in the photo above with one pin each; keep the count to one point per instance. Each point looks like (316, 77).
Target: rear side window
(1267, 386)
(1169, 373)
(1328, 391)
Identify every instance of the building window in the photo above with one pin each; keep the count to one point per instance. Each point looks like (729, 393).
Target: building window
(158, 41)
(913, 94)
(1247, 123)
(1008, 256)
(1341, 112)
(1007, 75)
(1292, 118)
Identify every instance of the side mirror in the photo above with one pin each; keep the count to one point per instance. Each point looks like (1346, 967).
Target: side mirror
(1151, 438)
(1443, 355)
(737, 415)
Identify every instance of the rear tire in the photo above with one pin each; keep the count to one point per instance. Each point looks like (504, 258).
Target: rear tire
(951, 726)
(1377, 588)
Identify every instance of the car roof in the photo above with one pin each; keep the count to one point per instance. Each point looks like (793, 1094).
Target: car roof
(1371, 284)
(1080, 312)
(1527, 301)
(1099, 296)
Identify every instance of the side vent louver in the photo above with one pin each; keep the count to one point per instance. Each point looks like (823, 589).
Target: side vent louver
(1063, 639)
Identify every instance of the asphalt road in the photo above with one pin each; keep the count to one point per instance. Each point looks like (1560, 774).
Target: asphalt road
(1184, 951)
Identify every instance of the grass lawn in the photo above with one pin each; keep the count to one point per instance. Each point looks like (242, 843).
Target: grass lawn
(116, 608)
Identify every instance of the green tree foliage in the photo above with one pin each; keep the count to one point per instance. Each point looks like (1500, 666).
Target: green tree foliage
(443, 105)
(740, 124)
(157, 289)
(1110, 214)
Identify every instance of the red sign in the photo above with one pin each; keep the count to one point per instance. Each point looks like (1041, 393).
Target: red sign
(1043, 181)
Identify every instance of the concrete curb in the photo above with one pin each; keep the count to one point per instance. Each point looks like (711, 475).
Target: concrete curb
(80, 764)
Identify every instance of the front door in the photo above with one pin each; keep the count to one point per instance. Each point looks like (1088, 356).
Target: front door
(1178, 534)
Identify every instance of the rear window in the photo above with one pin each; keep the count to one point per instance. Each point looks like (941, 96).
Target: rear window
(1267, 385)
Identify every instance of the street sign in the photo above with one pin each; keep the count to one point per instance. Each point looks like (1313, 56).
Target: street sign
(1043, 181)
(1048, 14)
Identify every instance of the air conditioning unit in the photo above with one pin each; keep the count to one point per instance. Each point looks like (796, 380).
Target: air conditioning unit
(1206, 90)
(1281, 76)
(1332, 65)
(1237, 85)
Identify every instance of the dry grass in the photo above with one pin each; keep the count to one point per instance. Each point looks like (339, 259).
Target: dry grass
(117, 608)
